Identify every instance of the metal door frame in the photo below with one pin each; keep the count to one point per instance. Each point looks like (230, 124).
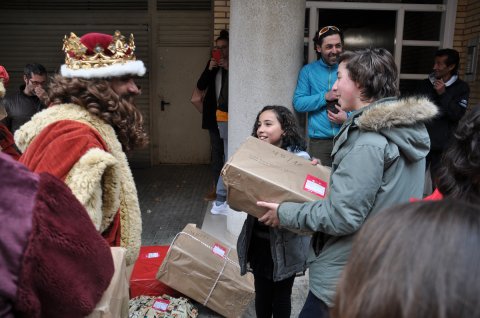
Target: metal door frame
(448, 9)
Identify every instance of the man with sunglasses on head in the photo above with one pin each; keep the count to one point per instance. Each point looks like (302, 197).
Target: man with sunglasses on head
(314, 94)
(29, 100)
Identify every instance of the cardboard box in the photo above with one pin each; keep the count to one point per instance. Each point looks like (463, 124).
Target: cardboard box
(259, 171)
(114, 302)
(206, 270)
(143, 280)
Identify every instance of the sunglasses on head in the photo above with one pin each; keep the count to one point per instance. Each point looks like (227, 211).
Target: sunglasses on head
(326, 28)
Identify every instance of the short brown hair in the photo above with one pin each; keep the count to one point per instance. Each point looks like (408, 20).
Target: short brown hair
(374, 70)
(414, 260)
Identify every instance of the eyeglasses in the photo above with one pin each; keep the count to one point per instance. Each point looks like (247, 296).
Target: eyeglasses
(35, 83)
(326, 28)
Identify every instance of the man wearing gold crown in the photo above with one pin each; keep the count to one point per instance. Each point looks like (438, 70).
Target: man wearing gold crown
(83, 136)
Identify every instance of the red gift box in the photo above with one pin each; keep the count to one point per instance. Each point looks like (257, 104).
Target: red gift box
(143, 280)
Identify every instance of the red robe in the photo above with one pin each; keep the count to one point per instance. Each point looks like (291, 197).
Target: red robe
(47, 153)
(7, 145)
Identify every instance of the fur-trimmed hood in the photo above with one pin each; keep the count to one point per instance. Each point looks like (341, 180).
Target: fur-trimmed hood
(400, 120)
(392, 112)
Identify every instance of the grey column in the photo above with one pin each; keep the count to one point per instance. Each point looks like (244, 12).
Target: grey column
(266, 54)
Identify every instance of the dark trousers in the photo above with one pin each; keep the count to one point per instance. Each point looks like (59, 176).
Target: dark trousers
(321, 149)
(434, 159)
(216, 148)
(273, 298)
(314, 308)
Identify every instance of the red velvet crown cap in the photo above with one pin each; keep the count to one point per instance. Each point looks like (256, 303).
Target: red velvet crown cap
(92, 40)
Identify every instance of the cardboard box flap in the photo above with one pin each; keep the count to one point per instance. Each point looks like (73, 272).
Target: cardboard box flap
(259, 171)
(207, 270)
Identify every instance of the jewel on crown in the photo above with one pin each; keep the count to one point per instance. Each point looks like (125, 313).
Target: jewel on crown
(78, 56)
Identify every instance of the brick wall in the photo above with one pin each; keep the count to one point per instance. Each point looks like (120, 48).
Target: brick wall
(221, 17)
(467, 26)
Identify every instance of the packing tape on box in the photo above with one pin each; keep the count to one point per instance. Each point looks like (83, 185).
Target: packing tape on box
(225, 260)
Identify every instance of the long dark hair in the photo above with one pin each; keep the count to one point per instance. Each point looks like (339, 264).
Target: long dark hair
(415, 260)
(97, 96)
(291, 139)
(459, 174)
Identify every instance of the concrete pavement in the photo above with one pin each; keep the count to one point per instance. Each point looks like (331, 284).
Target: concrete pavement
(171, 196)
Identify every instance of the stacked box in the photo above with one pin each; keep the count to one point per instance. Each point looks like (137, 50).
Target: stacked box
(206, 270)
(143, 280)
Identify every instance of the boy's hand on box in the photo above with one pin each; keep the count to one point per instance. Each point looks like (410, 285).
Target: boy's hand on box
(270, 218)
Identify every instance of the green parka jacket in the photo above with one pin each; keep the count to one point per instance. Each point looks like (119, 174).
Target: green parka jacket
(378, 161)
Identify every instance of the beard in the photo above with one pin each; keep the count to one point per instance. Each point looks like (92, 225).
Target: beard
(127, 122)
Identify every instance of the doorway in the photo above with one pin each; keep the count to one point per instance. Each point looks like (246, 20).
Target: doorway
(182, 41)
(411, 30)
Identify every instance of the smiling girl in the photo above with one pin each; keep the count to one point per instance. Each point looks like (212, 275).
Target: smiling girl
(275, 256)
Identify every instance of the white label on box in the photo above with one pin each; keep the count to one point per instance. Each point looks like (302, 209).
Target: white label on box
(153, 255)
(219, 250)
(315, 185)
(161, 304)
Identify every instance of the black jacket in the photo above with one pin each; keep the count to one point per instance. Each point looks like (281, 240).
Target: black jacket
(207, 81)
(20, 109)
(452, 105)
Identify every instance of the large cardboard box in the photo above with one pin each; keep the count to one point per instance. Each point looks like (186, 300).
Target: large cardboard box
(259, 171)
(206, 270)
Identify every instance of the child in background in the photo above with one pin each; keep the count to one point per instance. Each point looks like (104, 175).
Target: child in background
(275, 256)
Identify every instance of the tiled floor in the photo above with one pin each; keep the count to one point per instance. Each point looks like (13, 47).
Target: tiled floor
(171, 196)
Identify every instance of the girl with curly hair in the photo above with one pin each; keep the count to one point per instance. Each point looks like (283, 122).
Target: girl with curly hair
(275, 256)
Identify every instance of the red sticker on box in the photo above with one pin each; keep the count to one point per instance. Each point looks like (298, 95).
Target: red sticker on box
(150, 255)
(161, 304)
(315, 185)
(219, 250)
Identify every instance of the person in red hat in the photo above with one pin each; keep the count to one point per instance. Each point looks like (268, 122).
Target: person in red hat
(7, 145)
(90, 125)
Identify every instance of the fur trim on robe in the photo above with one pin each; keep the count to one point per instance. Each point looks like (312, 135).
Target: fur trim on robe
(106, 170)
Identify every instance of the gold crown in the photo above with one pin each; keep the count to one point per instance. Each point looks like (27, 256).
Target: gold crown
(77, 55)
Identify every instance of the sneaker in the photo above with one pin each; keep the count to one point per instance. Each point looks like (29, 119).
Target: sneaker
(221, 208)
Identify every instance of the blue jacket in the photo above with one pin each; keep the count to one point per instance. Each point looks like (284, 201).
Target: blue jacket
(314, 81)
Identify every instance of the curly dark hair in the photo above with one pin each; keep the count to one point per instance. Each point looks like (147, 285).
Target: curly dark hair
(291, 139)
(459, 174)
(97, 96)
